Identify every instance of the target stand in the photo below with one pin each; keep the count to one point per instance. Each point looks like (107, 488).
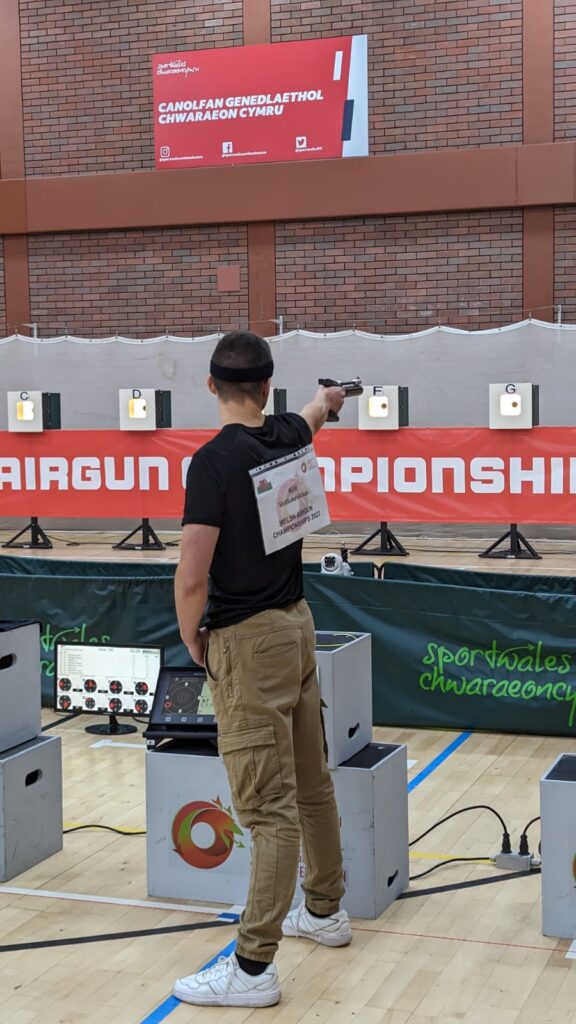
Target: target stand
(150, 540)
(38, 539)
(518, 546)
(389, 544)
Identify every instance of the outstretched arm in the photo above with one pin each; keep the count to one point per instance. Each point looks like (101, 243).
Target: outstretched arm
(324, 401)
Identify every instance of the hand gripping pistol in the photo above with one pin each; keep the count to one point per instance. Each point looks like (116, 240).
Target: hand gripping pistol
(353, 388)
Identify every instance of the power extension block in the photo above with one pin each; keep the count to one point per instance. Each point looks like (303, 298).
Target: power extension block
(514, 861)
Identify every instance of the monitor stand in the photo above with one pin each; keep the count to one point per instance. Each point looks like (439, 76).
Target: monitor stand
(112, 728)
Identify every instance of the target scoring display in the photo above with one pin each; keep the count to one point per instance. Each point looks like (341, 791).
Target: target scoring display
(187, 698)
(104, 679)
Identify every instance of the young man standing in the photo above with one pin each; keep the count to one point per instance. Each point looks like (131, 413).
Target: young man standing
(258, 649)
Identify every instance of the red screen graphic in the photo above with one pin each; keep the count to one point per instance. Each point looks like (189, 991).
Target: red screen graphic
(253, 104)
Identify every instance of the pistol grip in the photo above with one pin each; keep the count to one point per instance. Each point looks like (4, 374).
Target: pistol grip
(333, 417)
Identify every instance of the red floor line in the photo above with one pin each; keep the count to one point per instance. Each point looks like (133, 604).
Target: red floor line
(457, 938)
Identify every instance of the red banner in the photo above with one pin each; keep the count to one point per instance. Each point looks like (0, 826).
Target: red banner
(441, 475)
(253, 104)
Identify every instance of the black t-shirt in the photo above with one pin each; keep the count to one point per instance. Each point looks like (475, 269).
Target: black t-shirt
(244, 580)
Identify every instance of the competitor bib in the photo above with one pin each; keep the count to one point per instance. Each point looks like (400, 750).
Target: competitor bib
(290, 498)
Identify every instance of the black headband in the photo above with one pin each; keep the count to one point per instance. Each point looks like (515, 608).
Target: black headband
(242, 374)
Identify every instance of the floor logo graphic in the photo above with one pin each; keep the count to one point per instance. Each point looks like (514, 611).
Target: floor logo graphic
(226, 833)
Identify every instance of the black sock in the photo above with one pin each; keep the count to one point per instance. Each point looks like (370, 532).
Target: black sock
(252, 967)
(314, 914)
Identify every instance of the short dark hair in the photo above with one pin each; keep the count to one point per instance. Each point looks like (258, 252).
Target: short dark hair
(240, 349)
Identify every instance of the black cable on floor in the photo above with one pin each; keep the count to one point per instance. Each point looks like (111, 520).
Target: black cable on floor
(473, 807)
(107, 828)
(452, 860)
(79, 543)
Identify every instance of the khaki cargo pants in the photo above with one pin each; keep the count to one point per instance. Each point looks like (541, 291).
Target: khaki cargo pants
(262, 675)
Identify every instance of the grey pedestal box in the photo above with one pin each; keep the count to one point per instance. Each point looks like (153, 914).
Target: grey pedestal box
(558, 831)
(345, 675)
(20, 694)
(186, 861)
(372, 794)
(30, 805)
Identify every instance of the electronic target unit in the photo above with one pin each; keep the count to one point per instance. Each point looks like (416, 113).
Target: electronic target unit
(182, 707)
(102, 679)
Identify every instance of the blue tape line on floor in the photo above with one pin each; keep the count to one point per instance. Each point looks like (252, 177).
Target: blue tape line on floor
(441, 757)
(170, 1004)
(162, 1011)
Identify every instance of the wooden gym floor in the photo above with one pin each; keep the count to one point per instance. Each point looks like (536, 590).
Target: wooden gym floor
(464, 956)
(558, 556)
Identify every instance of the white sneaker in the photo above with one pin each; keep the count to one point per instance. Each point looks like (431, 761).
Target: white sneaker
(226, 984)
(329, 931)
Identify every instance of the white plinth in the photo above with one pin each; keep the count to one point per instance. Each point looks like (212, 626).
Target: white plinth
(345, 675)
(558, 831)
(185, 787)
(178, 779)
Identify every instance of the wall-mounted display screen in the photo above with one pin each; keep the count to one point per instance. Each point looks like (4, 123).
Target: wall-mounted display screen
(304, 100)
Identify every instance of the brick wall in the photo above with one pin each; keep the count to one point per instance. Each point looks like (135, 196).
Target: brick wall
(440, 74)
(565, 261)
(137, 282)
(401, 273)
(87, 76)
(564, 70)
(3, 326)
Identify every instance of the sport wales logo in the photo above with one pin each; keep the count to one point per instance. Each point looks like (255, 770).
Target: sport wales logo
(219, 818)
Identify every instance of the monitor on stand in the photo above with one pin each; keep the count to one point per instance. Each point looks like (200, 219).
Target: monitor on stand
(103, 679)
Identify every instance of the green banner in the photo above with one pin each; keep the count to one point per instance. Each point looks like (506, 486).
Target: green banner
(10, 565)
(442, 655)
(461, 658)
(96, 602)
(534, 584)
(87, 608)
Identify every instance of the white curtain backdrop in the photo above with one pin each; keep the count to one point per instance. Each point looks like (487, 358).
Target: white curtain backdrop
(446, 369)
